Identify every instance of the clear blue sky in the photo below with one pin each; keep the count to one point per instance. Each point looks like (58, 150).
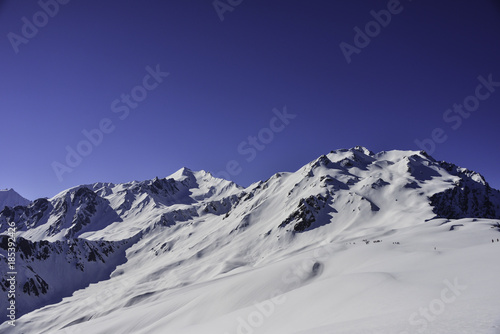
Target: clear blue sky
(226, 77)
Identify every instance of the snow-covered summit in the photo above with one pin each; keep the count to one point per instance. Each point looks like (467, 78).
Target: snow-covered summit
(9, 197)
(159, 244)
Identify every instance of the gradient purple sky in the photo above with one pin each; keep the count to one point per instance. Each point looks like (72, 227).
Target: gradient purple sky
(226, 77)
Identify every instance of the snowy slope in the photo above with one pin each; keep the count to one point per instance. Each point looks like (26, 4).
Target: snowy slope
(49, 271)
(353, 242)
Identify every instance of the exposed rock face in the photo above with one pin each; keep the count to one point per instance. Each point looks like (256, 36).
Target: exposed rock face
(466, 201)
(81, 235)
(66, 215)
(306, 213)
(470, 197)
(25, 216)
(90, 261)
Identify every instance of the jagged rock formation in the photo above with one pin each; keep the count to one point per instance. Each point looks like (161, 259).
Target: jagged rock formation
(177, 225)
(471, 197)
(81, 261)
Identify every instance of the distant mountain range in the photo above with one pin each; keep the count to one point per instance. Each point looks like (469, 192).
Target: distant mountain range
(105, 256)
(9, 197)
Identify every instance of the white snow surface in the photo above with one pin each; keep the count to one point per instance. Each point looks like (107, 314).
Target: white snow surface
(212, 257)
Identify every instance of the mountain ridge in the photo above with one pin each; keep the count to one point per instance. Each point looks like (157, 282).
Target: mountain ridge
(191, 228)
(9, 197)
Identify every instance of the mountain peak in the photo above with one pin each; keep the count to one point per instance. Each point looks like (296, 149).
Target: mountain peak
(9, 197)
(181, 174)
(158, 237)
(362, 149)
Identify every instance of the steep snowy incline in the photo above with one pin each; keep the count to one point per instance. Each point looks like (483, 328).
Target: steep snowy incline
(379, 283)
(48, 271)
(200, 238)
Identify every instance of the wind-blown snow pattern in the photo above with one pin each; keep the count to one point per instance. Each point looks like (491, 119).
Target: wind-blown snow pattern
(353, 242)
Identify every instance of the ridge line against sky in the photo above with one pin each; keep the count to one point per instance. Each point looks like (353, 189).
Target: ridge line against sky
(242, 89)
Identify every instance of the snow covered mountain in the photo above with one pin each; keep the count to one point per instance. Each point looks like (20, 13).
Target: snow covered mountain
(353, 242)
(9, 197)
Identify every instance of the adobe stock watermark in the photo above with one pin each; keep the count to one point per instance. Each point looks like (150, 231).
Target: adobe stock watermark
(254, 144)
(372, 29)
(30, 27)
(120, 106)
(436, 307)
(11, 273)
(455, 116)
(262, 311)
(292, 279)
(222, 6)
(97, 302)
